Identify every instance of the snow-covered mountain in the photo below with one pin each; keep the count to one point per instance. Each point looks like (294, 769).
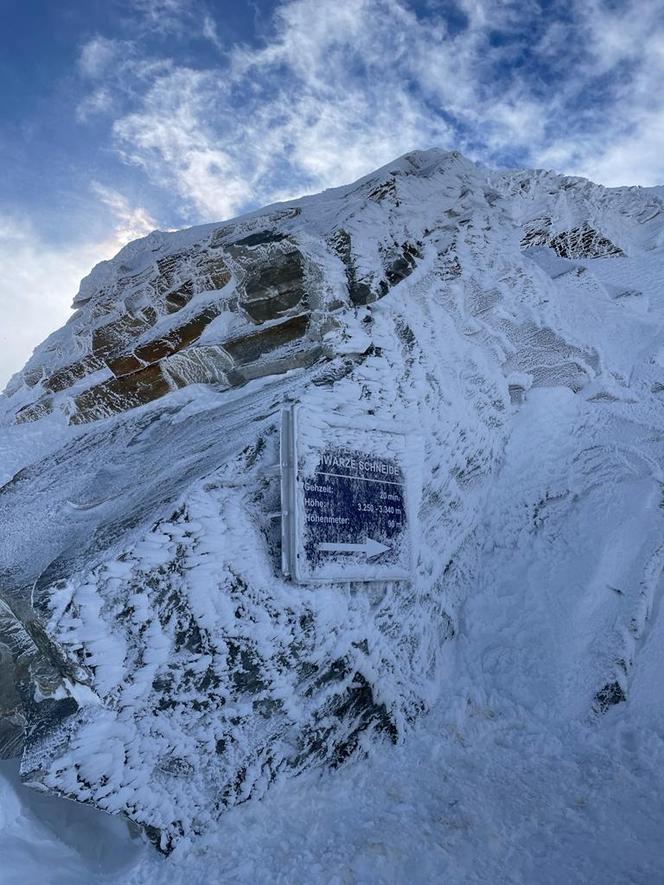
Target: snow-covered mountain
(153, 660)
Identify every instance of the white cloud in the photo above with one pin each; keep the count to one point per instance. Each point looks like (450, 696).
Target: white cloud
(616, 138)
(291, 116)
(98, 102)
(342, 86)
(98, 55)
(164, 16)
(177, 18)
(209, 31)
(39, 280)
(116, 73)
(132, 222)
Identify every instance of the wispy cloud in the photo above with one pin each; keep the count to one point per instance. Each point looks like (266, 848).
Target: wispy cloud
(617, 85)
(210, 32)
(165, 16)
(296, 114)
(341, 86)
(176, 18)
(131, 221)
(98, 55)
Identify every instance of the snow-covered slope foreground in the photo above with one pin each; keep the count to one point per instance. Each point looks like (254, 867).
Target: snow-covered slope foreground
(155, 664)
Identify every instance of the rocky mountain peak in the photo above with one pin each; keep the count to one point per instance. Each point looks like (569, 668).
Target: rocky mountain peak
(154, 661)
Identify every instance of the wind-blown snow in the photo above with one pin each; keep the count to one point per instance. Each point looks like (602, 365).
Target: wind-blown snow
(524, 349)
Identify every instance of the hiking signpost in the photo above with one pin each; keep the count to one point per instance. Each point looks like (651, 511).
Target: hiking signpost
(344, 500)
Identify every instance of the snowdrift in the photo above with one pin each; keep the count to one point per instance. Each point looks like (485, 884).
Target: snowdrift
(153, 661)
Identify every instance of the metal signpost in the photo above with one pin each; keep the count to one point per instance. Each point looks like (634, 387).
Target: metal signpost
(344, 500)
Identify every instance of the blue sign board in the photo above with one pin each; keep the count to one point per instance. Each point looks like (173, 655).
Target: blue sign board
(347, 516)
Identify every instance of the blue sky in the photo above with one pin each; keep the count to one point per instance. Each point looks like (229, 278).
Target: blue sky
(118, 116)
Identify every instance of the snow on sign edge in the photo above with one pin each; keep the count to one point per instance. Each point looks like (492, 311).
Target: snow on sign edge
(296, 453)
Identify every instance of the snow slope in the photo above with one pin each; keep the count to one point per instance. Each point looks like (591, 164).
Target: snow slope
(510, 322)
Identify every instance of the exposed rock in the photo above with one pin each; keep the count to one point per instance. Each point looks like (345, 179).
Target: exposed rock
(158, 348)
(261, 238)
(578, 242)
(30, 671)
(359, 290)
(107, 340)
(214, 273)
(401, 266)
(583, 242)
(12, 718)
(33, 377)
(120, 394)
(271, 290)
(296, 358)
(178, 298)
(383, 190)
(536, 233)
(159, 366)
(273, 275)
(69, 375)
(205, 364)
(34, 411)
(177, 338)
(611, 694)
(125, 364)
(249, 348)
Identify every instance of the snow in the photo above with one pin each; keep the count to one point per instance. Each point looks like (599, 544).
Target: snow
(538, 558)
(483, 791)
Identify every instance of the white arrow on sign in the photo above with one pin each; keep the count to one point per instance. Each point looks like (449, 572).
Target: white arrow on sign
(370, 547)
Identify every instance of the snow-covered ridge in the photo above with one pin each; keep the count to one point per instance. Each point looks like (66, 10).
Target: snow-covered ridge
(507, 320)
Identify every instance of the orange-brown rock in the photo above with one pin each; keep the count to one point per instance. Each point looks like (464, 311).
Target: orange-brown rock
(214, 273)
(177, 338)
(159, 348)
(237, 361)
(114, 336)
(69, 375)
(124, 365)
(177, 299)
(119, 394)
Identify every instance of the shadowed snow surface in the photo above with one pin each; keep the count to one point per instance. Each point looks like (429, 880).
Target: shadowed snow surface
(523, 353)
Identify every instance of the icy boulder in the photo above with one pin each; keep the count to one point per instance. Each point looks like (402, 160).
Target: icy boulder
(153, 660)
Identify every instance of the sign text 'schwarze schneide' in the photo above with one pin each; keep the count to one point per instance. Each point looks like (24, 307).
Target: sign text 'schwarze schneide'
(345, 508)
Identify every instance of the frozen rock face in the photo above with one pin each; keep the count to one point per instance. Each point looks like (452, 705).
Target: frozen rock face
(153, 661)
(152, 329)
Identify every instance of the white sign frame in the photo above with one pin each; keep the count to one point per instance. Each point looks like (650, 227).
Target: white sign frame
(295, 563)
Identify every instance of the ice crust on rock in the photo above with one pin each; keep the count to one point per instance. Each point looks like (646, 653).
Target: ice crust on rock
(153, 662)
